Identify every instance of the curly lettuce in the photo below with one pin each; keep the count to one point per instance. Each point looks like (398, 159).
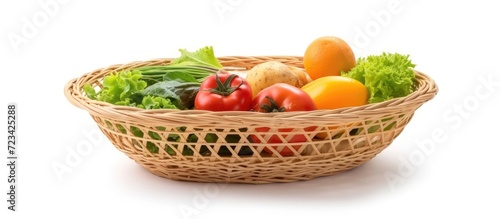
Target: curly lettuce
(117, 87)
(385, 76)
(121, 88)
(152, 102)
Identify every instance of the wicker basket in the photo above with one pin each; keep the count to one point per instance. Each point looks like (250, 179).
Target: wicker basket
(222, 150)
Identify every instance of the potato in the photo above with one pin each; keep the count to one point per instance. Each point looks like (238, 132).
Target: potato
(268, 73)
(304, 78)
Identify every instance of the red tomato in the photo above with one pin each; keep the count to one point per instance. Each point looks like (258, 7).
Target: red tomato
(224, 92)
(282, 97)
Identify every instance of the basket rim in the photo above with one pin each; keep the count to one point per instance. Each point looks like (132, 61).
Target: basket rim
(425, 91)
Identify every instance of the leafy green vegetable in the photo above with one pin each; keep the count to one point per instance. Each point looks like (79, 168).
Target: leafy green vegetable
(121, 88)
(90, 91)
(179, 76)
(152, 147)
(136, 131)
(199, 65)
(118, 87)
(152, 102)
(202, 57)
(182, 94)
(386, 76)
(156, 73)
(224, 151)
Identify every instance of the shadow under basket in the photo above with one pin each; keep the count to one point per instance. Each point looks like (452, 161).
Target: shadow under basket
(231, 147)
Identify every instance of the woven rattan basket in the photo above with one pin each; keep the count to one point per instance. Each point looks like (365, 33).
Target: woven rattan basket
(355, 134)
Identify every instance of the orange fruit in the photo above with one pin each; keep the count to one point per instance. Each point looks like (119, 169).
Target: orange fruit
(328, 56)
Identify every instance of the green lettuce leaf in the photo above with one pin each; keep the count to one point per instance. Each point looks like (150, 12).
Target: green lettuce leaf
(202, 57)
(181, 94)
(385, 76)
(117, 87)
(124, 88)
(152, 102)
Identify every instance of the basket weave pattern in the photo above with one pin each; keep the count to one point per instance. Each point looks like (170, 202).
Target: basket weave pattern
(209, 146)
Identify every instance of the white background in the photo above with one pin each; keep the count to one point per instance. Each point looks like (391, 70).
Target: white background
(455, 43)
